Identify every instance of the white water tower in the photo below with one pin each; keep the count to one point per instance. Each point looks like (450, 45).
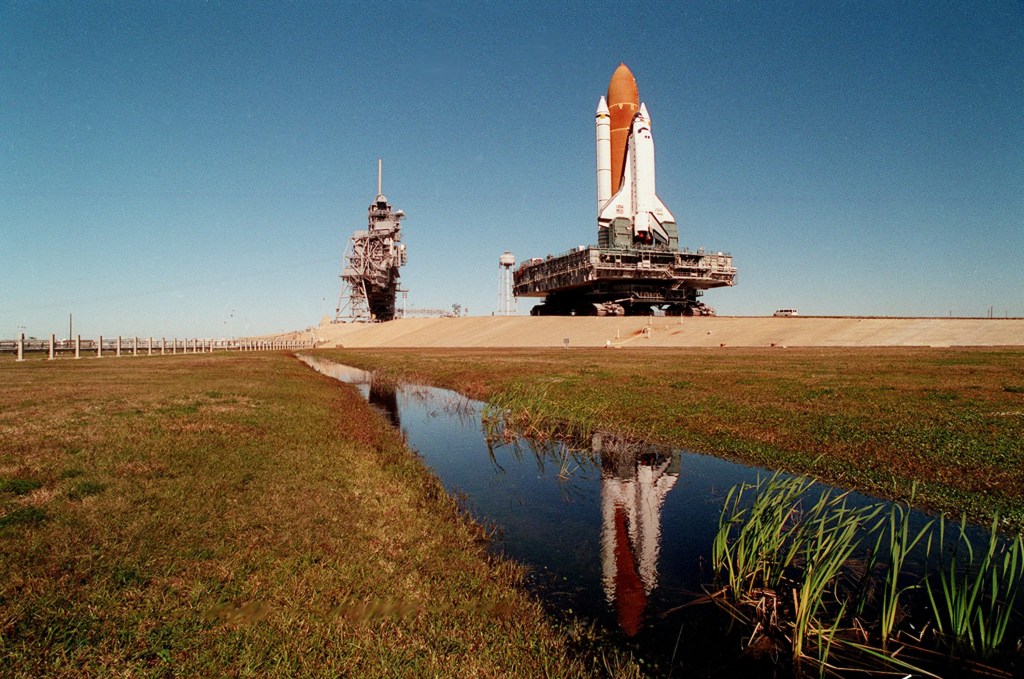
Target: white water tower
(506, 307)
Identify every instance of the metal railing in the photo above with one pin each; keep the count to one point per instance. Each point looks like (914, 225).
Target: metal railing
(143, 346)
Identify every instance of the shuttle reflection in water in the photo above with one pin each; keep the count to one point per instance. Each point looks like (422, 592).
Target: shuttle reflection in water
(634, 482)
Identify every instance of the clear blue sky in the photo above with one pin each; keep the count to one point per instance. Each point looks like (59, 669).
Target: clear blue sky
(196, 168)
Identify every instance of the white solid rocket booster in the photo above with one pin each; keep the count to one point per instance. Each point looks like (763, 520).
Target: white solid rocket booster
(604, 154)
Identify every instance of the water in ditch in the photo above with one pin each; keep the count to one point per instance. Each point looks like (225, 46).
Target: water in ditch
(620, 534)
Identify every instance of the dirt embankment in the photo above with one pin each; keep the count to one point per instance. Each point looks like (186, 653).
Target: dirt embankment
(671, 332)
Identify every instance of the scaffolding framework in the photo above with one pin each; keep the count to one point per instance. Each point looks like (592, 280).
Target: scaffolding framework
(371, 269)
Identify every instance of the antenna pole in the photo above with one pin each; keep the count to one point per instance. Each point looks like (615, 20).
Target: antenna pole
(378, 177)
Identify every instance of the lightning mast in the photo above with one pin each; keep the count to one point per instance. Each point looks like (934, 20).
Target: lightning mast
(369, 281)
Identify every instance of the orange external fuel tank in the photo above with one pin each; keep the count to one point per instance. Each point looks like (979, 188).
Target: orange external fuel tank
(623, 103)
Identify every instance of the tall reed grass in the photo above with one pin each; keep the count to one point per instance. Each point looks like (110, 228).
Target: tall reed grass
(974, 598)
(533, 413)
(818, 574)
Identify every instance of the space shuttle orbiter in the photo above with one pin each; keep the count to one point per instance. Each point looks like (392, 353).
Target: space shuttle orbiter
(629, 212)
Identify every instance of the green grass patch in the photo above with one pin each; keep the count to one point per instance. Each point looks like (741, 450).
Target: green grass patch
(18, 486)
(84, 489)
(23, 516)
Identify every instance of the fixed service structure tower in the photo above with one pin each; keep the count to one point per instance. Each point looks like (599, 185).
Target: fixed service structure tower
(372, 259)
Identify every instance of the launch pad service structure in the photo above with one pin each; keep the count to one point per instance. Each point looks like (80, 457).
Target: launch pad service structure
(372, 259)
(637, 266)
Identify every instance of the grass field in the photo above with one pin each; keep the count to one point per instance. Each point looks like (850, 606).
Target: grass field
(877, 420)
(209, 515)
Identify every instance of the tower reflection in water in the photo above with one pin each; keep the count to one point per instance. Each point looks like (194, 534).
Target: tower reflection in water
(383, 396)
(634, 482)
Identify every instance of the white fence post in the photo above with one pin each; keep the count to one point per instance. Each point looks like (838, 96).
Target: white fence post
(78, 346)
(21, 347)
(99, 348)
(53, 340)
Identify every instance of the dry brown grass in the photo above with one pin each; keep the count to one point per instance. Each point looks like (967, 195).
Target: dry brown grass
(229, 515)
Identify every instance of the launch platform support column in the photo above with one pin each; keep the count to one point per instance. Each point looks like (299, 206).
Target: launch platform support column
(78, 346)
(53, 341)
(21, 347)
